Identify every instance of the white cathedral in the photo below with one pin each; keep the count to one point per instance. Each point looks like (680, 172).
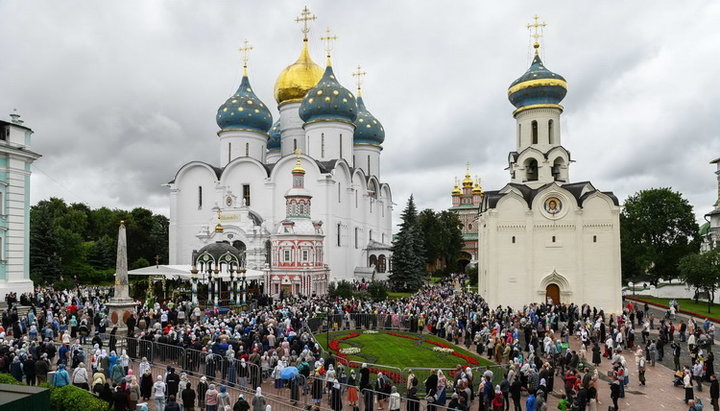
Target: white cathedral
(255, 200)
(542, 237)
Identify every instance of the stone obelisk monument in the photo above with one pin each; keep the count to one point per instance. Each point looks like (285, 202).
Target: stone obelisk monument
(121, 306)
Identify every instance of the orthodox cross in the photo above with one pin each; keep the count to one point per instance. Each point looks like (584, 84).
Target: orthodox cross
(359, 74)
(245, 53)
(157, 261)
(304, 17)
(536, 31)
(328, 39)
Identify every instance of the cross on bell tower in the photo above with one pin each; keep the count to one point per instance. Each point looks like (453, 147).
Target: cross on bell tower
(536, 32)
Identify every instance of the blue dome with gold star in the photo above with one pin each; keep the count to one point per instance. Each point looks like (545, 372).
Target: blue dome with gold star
(538, 86)
(273, 142)
(368, 129)
(244, 111)
(328, 101)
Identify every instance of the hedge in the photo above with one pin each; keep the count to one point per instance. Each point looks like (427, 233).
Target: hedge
(67, 398)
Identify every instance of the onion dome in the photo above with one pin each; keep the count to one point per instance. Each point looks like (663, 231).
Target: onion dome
(456, 191)
(295, 81)
(477, 188)
(273, 142)
(244, 111)
(468, 181)
(538, 86)
(367, 129)
(328, 101)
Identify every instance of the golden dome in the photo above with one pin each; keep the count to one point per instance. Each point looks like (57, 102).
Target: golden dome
(468, 181)
(477, 188)
(298, 78)
(456, 190)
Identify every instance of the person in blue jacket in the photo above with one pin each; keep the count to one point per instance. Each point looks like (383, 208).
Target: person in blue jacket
(62, 378)
(530, 403)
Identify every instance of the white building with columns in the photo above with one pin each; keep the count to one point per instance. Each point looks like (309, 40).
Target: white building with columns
(542, 237)
(243, 194)
(16, 157)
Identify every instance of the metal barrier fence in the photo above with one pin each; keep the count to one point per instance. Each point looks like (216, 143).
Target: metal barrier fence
(361, 321)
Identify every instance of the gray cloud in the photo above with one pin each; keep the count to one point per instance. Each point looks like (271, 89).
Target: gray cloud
(120, 94)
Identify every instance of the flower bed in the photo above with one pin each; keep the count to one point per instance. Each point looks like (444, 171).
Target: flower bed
(350, 350)
(370, 332)
(441, 349)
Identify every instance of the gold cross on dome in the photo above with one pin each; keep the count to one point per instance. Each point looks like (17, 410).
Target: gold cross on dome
(359, 74)
(328, 39)
(536, 31)
(298, 152)
(245, 53)
(304, 17)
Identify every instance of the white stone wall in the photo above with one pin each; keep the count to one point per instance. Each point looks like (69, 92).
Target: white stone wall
(242, 143)
(329, 140)
(579, 251)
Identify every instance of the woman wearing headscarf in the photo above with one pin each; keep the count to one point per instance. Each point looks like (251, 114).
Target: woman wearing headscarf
(16, 369)
(394, 402)
(146, 385)
(118, 373)
(133, 393)
(223, 399)
(352, 391)
(336, 396)
(125, 361)
(98, 382)
(80, 377)
(202, 388)
(259, 401)
(441, 388)
(144, 365)
(317, 389)
(158, 393)
(211, 398)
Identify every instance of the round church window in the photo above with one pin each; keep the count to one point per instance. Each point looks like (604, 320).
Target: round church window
(553, 205)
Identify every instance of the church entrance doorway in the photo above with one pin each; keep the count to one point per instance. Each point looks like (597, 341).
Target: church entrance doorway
(552, 294)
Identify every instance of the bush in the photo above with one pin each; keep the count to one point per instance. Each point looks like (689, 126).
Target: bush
(377, 291)
(343, 290)
(8, 379)
(71, 398)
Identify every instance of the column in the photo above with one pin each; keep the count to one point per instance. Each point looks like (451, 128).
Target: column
(233, 287)
(211, 286)
(219, 288)
(194, 282)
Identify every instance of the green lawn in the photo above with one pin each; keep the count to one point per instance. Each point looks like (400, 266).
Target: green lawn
(394, 295)
(699, 309)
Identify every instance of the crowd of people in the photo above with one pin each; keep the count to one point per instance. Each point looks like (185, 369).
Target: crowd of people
(67, 331)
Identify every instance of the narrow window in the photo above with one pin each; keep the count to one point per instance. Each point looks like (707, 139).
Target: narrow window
(247, 149)
(338, 192)
(513, 239)
(246, 194)
(370, 235)
(353, 160)
(550, 132)
(338, 235)
(229, 152)
(368, 165)
(519, 133)
(341, 144)
(356, 198)
(594, 239)
(383, 238)
(2, 250)
(287, 256)
(322, 145)
(534, 132)
(294, 144)
(305, 255)
(199, 197)
(356, 237)
(553, 239)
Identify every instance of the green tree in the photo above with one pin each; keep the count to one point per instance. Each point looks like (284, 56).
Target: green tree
(657, 229)
(702, 271)
(408, 258)
(44, 244)
(442, 238)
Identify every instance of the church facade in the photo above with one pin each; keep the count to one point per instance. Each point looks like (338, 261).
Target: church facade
(710, 231)
(15, 160)
(466, 203)
(543, 237)
(242, 199)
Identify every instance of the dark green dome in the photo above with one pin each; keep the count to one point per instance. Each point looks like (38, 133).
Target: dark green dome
(538, 86)
(244, 111)
(368, 129)
(273, 142)
(328, 101)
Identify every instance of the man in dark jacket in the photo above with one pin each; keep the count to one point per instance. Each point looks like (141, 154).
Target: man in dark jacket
(241, 404)
(188, 398)
(171, 404)
(714, 392)
(29, 370)
(172, 380)
(119, 399)
(42, 367)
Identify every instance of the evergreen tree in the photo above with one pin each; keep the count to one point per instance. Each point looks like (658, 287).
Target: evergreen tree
(408, 259)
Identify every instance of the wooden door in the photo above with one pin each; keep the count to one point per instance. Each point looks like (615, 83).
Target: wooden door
(552, 293)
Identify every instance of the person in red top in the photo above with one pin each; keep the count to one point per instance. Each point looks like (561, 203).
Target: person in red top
(497, 401)
(570, 380)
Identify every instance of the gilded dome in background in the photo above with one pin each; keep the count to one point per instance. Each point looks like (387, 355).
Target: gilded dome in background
(298, 78)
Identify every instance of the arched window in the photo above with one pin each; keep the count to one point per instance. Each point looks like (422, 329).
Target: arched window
(531, 169)
(557, 169)
(373, 261)
(553, 239)
(534, 132)
(294, 144)
(381, 265)
(247, 149)
(551, 138)
(229, 152)
(594, 239)
(356, 237)
(341, 144)
(513, 239)
(199, 197)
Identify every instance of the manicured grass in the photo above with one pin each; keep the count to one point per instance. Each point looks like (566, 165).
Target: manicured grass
(700, 308)
(385, 349)
(394, 295)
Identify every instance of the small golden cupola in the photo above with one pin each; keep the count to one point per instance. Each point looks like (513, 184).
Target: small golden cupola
(468, 181)
(477, 188)
(297, 79)
(456, 191)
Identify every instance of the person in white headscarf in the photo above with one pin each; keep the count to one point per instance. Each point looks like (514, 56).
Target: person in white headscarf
(144, 365)
(259, 401)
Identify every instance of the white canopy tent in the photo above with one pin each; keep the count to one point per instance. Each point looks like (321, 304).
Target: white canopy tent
(183, 272)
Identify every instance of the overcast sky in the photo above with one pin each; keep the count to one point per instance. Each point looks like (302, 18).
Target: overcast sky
(120, 94)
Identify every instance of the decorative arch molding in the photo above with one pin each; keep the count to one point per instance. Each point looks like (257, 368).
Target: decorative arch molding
(227, 171)
(195, 164)
(559, 280)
